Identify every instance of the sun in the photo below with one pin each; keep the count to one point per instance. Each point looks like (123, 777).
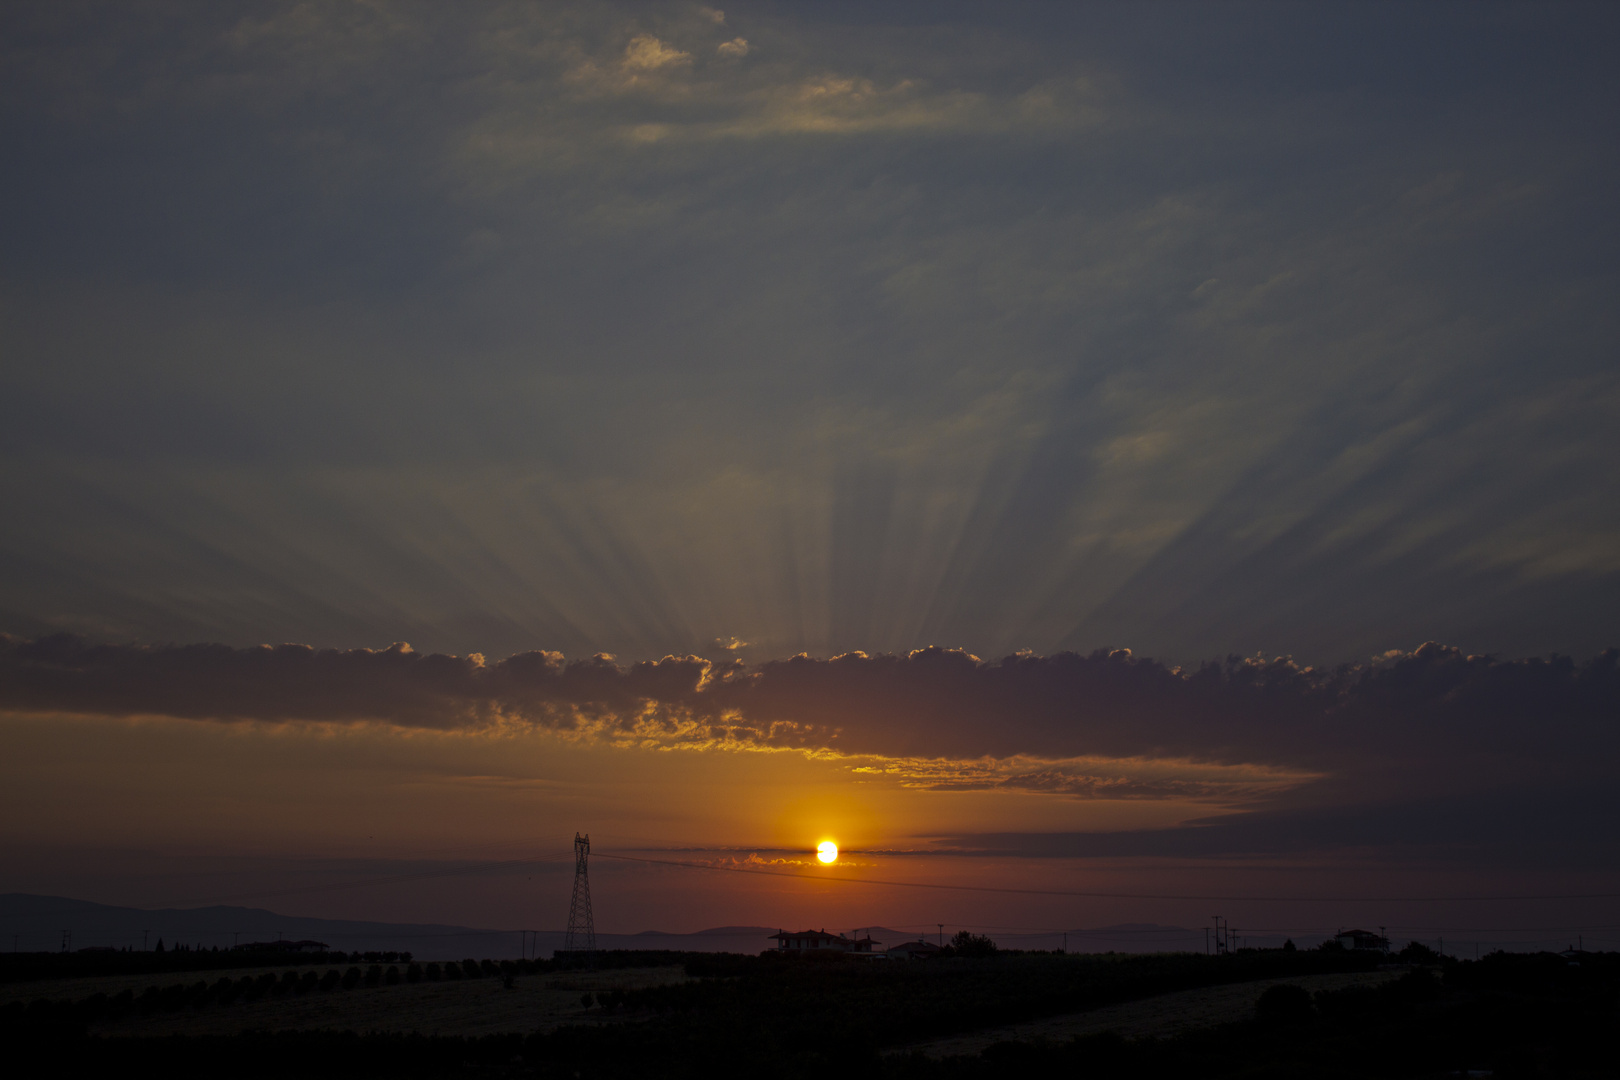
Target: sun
(827, 851)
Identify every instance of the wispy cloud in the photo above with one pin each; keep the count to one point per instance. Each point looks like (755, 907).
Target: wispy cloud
(1092, 778)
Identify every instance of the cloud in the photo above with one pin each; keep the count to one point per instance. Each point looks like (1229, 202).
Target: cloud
(396, 686)
(1091, 778)
(735, 48)
(929, 712)
(1400, 707)
(647, 53)
(1528, 825)
(1424, 751)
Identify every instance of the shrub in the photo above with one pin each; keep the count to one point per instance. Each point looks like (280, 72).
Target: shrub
(1417, 953)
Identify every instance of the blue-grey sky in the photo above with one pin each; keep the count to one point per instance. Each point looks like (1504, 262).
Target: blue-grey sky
(1197, 329)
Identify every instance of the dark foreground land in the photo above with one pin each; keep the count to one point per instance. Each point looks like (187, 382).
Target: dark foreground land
(1251, 1014)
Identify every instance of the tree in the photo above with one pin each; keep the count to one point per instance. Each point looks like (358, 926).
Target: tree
(970, 944)
(1418, 953)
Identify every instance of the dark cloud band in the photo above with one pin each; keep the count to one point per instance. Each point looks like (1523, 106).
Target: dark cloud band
(1400, 708)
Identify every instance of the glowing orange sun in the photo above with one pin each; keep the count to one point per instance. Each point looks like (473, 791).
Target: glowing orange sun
(827, 851)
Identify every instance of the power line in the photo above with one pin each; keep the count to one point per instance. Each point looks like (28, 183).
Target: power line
(358, 883)
(1102, 895)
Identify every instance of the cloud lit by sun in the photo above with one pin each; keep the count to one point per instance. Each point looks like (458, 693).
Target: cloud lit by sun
(827, 851)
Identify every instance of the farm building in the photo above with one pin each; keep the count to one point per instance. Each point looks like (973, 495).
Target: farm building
(820, 941)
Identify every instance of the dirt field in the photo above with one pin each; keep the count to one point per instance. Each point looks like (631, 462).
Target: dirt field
(1168, 1014)
(464, 1007)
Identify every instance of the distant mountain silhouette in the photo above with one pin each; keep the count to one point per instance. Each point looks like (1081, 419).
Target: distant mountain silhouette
(46, 923)
(38, 924)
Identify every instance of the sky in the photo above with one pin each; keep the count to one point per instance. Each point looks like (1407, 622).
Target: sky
(1146, 456)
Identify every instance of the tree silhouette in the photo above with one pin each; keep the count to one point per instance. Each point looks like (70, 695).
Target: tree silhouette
(970, 944)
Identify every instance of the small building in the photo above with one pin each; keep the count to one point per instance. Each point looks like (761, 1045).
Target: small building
(819, 941)
(1362, 940)
(912, 950)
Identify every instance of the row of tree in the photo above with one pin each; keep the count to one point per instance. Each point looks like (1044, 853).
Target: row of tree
(78, 1015)
(29, 967)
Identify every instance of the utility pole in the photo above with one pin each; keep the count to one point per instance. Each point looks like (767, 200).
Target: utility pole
(581, 923)
(1065, 942)
(941, 934)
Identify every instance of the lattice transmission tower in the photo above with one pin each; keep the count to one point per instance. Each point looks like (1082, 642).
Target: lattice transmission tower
(581, 924)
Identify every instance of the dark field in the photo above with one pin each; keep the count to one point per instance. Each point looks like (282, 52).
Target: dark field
(1254, 1013)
